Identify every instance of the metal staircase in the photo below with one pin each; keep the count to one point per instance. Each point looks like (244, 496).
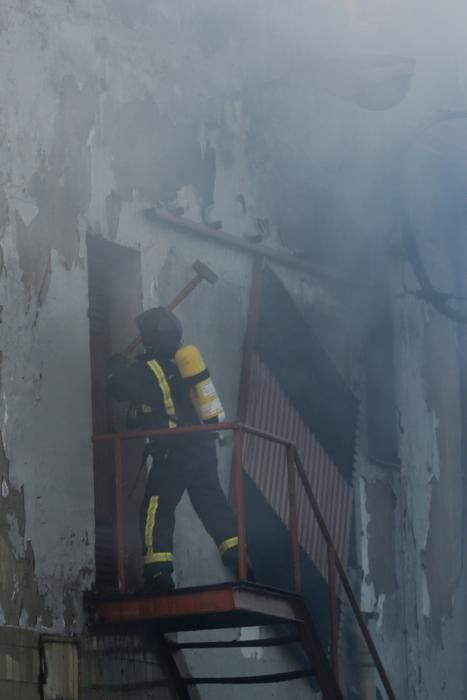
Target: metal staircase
(241, 603)
(225, 606)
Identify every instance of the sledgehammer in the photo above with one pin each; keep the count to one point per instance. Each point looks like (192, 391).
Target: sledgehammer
(203, 272)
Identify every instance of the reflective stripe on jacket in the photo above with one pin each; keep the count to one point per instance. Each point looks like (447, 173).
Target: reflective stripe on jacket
(169, 405)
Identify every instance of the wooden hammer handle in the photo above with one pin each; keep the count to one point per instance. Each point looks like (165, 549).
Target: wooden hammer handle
(187, 289)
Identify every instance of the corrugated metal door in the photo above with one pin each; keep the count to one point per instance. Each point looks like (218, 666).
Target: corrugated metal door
(100, 347)
(291, 388)
(269, 409)
(115, 299)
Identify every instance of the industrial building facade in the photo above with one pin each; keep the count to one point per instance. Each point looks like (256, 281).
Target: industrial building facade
(137, 138)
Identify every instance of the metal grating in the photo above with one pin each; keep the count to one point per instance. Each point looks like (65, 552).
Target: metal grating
(269, 409)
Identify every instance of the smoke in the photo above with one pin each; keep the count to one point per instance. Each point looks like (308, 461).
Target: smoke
(343, 98)
(339, 102)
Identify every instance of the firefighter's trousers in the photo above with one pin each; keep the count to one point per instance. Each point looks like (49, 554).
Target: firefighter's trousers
(193, 469)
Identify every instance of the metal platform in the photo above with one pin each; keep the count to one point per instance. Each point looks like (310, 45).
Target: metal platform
(237, 604)
(209, 607)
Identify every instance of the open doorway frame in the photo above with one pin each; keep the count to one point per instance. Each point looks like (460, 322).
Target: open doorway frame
(115, 299)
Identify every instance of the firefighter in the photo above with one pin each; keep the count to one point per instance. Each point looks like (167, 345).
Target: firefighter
(159, 398)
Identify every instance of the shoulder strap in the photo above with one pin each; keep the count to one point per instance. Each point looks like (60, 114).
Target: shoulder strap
(169, 405)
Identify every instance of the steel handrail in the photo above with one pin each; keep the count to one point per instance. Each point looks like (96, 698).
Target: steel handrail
(188, 429)
(293, 462)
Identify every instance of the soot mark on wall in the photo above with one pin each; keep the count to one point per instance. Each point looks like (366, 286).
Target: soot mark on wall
(381, 505)
(442, 557)
(157, 154)
(19, 595)
(61, 189)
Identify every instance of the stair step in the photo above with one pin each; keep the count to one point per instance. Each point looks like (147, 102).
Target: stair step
(251, 680)
(229, 605)
(234, 644)
(223, 606)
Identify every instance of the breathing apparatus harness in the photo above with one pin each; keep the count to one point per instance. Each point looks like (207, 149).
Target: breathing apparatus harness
(161, 332)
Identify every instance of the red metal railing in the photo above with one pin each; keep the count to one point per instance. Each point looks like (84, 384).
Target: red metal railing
(294, 466)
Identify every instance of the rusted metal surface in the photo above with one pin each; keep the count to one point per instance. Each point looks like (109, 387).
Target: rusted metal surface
(265, 435)
(240, 506)
(187, 429)
(225, 605)
(165, 607)
(270, 411)
(244, 604)
(164, 432)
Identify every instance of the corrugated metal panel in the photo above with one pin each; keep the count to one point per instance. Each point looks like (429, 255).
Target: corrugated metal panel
(288, 346)
(269, 409)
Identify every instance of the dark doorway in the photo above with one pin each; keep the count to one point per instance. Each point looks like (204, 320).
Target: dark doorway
(115, 299)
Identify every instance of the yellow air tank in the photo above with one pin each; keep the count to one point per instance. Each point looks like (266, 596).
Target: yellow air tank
(203, 393)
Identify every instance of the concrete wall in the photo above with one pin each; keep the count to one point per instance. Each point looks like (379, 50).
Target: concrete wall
(108, 107)
(380, 169)
(45, 667)
(92, 127)
(411, 519)
(19, 664)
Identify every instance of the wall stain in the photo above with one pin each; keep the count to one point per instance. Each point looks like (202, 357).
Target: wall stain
(381, 505)
(18, 590)
(113, 208)
(61, 189)
(4, 217)
(442, 557)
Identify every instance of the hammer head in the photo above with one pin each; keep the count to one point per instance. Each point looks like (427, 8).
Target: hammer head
(205, 272)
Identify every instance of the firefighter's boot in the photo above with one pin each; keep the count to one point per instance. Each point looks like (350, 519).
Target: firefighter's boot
(159, 584)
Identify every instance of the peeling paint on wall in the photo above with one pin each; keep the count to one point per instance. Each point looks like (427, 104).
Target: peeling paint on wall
(19, 595)
(381, 507)
(107, 106)
(3, 211)
(61, 190)
(442, 555)
(155, 153)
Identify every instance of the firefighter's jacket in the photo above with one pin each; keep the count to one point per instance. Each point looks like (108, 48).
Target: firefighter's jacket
(154, 387)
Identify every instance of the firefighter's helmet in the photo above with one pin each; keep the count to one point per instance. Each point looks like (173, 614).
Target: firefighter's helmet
(161, 331)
